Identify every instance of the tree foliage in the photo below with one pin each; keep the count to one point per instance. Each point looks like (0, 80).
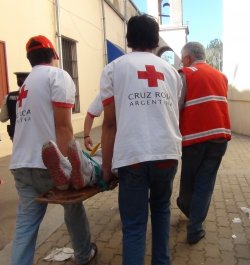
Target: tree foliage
(214, 54)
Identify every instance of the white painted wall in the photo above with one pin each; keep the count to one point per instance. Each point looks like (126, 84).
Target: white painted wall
(152, 8)
(236, 57)
(173, 34)
(175, 37)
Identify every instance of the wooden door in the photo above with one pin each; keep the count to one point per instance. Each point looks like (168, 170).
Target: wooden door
(4, 87)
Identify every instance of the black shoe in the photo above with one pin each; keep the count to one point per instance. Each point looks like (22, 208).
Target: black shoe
(93, 254)
(182, 208)
(195, 238)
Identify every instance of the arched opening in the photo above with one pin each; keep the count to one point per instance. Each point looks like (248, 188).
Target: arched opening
(167, 54)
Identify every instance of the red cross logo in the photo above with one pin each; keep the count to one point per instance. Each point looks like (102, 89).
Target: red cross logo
(22, 95)
(151, 75)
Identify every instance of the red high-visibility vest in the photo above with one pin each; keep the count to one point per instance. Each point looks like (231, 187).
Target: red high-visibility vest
(205, 114)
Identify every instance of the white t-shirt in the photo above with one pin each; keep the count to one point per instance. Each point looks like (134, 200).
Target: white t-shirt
(44, 87)
(96, 108)
(146, 90)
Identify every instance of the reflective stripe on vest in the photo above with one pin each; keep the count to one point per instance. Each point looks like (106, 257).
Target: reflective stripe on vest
(205, 99)
(206, 133)
(193, 68)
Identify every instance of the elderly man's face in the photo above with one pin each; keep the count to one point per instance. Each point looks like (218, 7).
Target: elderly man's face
(186, 59)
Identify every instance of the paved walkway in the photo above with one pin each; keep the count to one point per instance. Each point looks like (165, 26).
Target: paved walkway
(226, 242)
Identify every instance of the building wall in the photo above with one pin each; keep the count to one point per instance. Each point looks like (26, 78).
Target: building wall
(19, 20)
(116, 33)
(175, 38)
(173, 34)
(236, 56)
(81, 21)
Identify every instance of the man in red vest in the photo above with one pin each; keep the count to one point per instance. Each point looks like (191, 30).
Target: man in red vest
(205, 127)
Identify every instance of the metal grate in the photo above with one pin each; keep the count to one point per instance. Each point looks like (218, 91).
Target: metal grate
(70, 65)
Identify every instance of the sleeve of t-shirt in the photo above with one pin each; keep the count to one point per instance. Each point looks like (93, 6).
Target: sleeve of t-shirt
(62, 89)
(182, 90)
(106, 86)
(96, 108)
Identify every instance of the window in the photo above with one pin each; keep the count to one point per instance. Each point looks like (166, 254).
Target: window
(70, 65)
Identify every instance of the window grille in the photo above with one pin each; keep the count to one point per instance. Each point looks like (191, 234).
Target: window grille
(70, 65)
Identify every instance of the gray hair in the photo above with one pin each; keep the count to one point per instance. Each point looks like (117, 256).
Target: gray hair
(195, 50)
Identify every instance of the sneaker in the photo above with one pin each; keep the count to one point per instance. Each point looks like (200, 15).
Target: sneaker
(93, 254)
(80, 175)
(195, 237)
(75, 156)
(58, 165)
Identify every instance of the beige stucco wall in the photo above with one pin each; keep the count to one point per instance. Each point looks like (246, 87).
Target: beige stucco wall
(236, 56)
(239, 114)
(80, 20)
(82, 23)
(19, 20)
(114, 27)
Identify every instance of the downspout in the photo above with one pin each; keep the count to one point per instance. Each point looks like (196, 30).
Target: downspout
(58, 32)
(125, 25)
(160, 12)
(105, 55)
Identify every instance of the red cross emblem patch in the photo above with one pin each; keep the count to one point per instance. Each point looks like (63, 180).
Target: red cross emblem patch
(22, 95)
(151, 75)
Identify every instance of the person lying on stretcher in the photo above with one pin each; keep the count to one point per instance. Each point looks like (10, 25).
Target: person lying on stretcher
(78, 170)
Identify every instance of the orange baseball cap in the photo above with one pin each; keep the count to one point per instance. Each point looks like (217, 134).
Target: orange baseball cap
(42, 43)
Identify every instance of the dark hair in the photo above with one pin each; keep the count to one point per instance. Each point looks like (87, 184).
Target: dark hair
(142, 32)
(20, 80)
(39, 56)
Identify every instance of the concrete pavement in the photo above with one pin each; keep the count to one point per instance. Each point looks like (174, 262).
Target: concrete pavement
(226, 242)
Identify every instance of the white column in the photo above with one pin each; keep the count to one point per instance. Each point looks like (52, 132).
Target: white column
(176, 12)
(152, 8)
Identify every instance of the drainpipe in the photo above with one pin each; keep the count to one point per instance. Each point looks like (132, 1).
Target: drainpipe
(58, 32)
(125, 25)
(105, 55)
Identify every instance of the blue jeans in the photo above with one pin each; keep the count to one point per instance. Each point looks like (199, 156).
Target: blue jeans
(148, 182)
(30, 183)
(200, 163)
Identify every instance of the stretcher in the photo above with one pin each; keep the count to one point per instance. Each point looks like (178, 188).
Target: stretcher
(72, 195)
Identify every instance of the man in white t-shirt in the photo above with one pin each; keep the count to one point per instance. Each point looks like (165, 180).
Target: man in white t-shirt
(141, 138)
(44, 109)
(95, 110)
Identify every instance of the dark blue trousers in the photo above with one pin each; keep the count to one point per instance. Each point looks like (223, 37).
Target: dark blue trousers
(140, 186)
(200, 164)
